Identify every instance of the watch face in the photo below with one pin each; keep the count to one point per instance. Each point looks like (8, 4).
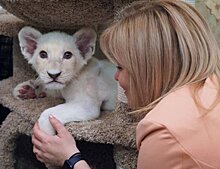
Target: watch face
(66, 165)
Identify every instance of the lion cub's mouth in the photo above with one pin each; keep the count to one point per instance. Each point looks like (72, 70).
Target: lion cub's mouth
(54, 81)
(54, 85)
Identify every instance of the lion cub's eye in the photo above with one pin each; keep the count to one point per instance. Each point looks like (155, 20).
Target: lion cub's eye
(43, 54)
(67, 55)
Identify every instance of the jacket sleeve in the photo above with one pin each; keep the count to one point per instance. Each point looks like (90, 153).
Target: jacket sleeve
(157, 147)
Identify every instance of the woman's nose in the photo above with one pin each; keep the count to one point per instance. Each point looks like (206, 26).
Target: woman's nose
(116, 75)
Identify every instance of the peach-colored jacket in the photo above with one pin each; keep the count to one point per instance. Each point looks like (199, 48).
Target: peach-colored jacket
(177, 135)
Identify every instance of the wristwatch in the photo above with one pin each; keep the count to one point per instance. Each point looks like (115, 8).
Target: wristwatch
(69, 164)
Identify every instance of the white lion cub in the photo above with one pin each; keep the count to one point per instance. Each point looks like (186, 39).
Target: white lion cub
(65, 65)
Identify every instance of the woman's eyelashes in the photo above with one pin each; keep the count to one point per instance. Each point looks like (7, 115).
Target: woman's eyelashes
(119, 67)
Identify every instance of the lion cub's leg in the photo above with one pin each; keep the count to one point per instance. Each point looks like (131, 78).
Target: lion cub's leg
(30, 89)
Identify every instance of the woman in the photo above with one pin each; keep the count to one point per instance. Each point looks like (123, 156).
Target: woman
(168, 65)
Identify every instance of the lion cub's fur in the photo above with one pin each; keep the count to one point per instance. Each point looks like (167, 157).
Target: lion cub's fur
(66, 67)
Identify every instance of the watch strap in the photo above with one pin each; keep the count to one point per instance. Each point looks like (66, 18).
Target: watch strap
(69, 164)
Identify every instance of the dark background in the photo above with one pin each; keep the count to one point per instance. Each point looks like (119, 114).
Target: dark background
(6, 67)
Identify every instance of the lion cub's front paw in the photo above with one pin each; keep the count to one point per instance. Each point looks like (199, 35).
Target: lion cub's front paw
(28, 90)
(44, 122)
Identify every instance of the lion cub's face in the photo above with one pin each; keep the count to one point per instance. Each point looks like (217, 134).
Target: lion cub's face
(57, 57)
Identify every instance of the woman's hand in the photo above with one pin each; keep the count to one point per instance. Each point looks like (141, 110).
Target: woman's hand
(53, 149)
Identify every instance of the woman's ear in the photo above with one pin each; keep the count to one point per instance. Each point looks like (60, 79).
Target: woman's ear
(28, 37)
(85, 42)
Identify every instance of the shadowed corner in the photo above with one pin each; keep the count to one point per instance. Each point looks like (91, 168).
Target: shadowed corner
(99, 156)
(6, 66)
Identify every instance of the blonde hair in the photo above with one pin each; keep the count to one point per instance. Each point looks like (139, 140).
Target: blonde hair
(164, 45)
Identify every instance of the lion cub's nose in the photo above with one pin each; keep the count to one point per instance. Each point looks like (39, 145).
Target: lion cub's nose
(54, 76)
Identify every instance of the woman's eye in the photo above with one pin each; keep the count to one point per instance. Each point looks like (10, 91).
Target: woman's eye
(119, 67)
(67, 55)
(43, 54)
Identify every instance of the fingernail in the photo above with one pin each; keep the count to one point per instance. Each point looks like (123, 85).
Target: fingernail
(51, 116)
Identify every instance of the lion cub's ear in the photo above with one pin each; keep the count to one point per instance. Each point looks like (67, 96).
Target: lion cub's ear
(28, 37)
(85, 41)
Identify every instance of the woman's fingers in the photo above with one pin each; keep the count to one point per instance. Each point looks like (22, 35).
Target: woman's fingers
(36, 142)
(57, 125)
(38, 133)
(53, 149)
(39, 158)
(36, 151)
(38, 154)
